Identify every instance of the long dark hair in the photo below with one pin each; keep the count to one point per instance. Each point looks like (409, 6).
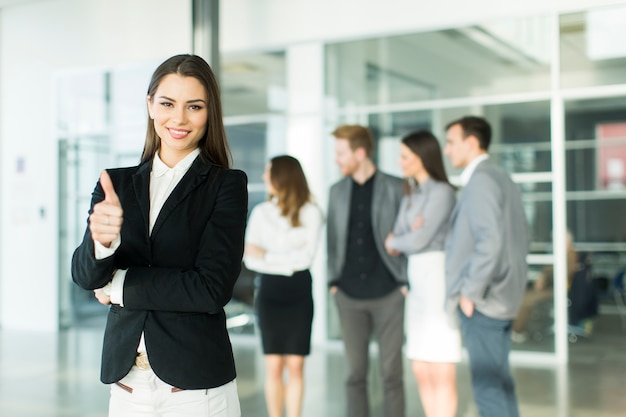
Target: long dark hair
(292, 189)
(425, 145)
(214, 145)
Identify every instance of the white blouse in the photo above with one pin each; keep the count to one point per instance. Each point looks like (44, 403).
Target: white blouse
(287, 249)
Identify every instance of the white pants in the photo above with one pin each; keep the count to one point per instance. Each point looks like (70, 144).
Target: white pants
(151, 397)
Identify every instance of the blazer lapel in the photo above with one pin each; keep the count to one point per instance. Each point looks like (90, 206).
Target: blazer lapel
(461, 195)
(455, 211)
(141, 184)
(378, 199)
(343, 206)
(195, 176)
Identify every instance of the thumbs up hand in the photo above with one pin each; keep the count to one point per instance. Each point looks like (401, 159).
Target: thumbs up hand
(105, 222)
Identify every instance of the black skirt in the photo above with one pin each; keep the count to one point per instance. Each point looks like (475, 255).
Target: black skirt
(284, 307)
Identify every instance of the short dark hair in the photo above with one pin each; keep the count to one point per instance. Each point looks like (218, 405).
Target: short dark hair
(357, 137)
(214, 145)
(474, 126)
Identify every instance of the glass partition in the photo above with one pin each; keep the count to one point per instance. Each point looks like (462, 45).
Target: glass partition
(498, 57)
(253, 83)
(593, 52)
(254, 100)
(595, 134)
(100, 123)
(399, 84)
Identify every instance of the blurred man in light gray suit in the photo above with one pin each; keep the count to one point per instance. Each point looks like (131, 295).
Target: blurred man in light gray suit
(367, 283)
(485, 263)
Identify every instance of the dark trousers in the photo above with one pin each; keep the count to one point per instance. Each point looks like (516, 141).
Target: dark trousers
(488, 343)
(360, 319)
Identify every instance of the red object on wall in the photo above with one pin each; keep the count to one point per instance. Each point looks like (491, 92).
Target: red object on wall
(611, 148)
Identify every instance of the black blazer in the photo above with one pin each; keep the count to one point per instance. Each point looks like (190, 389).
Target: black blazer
(179, 278)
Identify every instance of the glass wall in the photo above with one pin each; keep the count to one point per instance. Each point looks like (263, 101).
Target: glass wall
(593, 75)
(592, 50)
(254, 100)
(595, 133)
(100, 123)
(420, 81)
(508, 56)
(503, 71)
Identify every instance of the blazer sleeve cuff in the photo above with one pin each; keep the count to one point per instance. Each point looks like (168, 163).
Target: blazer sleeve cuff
(102, 251)
(117, 287)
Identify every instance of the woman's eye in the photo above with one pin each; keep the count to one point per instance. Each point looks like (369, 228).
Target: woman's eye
(166, 104)
(195, 107)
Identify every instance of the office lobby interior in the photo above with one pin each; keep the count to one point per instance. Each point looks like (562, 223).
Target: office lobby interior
(549, 76)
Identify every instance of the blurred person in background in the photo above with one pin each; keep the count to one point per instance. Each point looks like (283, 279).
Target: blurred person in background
(542, 291)
(367, 283)
(281, 241)
(433, 336)
(486, 271)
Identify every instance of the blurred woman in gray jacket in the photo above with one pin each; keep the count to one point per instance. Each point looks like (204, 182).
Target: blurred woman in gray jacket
(433, 337)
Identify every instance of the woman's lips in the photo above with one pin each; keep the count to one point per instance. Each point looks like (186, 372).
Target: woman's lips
(177, 133)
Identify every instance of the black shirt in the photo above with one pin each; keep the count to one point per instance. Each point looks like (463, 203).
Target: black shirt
(364, 274)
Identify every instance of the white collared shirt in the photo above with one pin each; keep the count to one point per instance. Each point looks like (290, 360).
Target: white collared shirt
(470, 168)
(163, 179)
(288, 249)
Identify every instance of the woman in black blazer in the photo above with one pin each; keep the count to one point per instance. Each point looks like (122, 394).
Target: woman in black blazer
(163, 247)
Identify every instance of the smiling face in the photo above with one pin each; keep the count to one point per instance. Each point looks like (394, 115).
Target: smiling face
(179, 112)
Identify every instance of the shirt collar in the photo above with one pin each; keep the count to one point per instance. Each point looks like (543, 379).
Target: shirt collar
(367, 182)
(470, 168)
(159, 168)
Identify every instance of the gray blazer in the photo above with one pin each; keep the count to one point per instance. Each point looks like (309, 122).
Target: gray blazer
(434, 200)
(387, 194)
(487, 245)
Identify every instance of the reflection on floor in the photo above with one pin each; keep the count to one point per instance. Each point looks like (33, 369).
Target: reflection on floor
(56, 375)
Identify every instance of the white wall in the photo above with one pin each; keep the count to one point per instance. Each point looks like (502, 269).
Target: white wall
(272, 24)
(2, 196)
(38, 40)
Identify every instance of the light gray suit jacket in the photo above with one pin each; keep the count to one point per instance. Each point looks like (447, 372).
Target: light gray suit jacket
(487, 244)
(386, 197)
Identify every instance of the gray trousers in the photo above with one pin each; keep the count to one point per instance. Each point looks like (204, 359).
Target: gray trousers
(360, 319)
(488, 343)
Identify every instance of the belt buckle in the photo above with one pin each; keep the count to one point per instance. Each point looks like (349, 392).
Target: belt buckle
(141, 361)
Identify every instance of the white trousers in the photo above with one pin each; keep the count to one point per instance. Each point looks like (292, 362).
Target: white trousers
(151, 397)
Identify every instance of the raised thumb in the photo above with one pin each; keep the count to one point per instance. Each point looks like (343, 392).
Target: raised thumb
(110, 195)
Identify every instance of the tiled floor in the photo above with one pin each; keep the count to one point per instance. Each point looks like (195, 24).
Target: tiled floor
(56, 375)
